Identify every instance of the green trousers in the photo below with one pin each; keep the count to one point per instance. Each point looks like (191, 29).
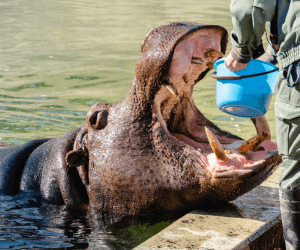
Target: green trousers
(287, 111)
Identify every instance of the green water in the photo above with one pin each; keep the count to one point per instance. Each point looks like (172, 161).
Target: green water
(60, 57)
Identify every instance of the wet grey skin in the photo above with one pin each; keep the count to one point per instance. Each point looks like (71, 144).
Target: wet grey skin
(148, 153)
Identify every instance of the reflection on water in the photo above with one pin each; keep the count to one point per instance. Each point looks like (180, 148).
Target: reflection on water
(26, 222)
(22, 224)
(58, 58)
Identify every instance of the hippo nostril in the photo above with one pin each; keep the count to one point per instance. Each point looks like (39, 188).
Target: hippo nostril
(98, 120)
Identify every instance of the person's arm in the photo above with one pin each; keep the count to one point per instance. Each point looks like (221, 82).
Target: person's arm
(248, 19)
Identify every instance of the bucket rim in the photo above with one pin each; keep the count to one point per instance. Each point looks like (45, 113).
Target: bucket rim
(240, 77)
(275, 68)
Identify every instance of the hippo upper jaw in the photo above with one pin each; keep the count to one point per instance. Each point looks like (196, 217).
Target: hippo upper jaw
(178, 116)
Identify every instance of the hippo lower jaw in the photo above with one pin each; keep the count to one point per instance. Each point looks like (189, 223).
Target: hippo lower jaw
(238, 165)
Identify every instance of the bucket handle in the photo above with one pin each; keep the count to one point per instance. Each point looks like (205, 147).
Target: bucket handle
(239, 77)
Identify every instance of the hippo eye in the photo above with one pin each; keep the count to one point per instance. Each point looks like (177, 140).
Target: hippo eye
(98, 119)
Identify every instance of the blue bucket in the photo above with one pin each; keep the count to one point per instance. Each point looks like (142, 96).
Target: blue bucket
(245, 93)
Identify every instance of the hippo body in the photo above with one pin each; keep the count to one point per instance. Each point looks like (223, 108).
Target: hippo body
(40, 165)
(148, 153)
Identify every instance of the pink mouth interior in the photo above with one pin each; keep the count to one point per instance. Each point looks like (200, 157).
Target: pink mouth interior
(238, 163)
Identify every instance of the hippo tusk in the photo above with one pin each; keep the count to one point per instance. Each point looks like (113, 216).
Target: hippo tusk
(216, 146)
(210, 53)
(210, 65)
(173, 90)
(253, 143)
(261, 124)
(213, 53)
(196, 60)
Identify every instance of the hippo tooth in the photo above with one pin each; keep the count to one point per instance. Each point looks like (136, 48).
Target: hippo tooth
(213, 53)
(253, 143)
(216, 146)
(173, 90)
(196, 60)
(227, 151)
(261, 124)
(210, 65)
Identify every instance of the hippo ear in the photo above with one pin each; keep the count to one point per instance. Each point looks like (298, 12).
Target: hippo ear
(76, 158)
(97, 119)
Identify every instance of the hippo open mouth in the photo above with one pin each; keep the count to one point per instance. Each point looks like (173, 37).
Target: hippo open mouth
(223, 154)
(154, 151)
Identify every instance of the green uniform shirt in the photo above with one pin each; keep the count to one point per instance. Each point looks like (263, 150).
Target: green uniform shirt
(250, 19)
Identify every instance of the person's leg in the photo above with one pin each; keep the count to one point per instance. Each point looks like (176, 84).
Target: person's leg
(290, 215)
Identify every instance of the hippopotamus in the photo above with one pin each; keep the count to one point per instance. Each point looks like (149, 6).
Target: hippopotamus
(153, 152)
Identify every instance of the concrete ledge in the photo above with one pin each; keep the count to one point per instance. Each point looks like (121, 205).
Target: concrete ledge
(228, 227)
(268, 236)
(197, 229)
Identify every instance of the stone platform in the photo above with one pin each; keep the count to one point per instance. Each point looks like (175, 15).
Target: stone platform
(250, 222)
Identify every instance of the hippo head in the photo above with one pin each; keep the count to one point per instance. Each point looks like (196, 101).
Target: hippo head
(154, 151)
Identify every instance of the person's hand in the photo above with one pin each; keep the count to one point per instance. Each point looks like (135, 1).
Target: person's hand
(234, 65)
(268, 58)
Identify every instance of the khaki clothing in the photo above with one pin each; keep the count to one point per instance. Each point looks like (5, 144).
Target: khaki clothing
(250, 19)
(288, 131)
